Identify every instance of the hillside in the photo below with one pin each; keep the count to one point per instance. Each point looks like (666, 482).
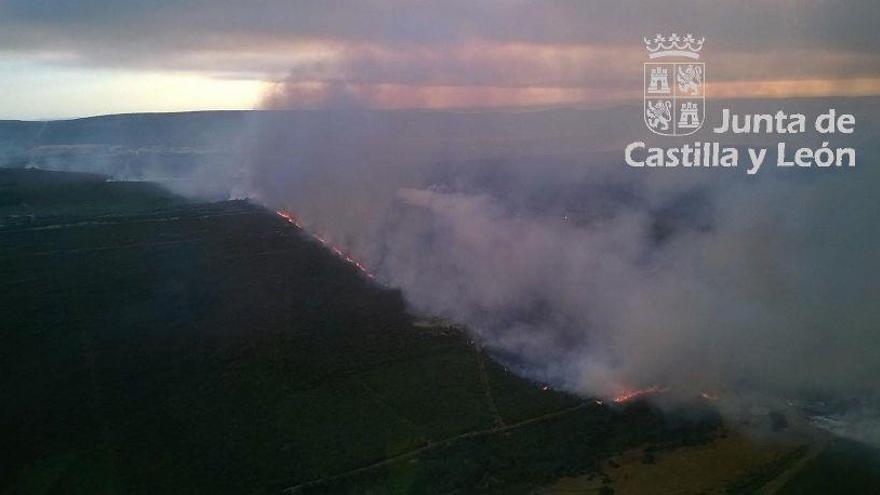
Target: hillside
(158, 345)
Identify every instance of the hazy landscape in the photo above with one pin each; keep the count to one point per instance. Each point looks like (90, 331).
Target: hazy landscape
(168, 330)
(554, 247)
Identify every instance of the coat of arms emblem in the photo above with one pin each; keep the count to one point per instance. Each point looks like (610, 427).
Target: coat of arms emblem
(675, 85)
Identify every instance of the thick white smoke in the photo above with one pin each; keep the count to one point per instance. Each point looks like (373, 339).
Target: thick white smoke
(574, 269)
(592, 277)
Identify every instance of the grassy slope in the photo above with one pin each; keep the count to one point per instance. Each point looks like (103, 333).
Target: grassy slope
(152, 345)
(843, 467)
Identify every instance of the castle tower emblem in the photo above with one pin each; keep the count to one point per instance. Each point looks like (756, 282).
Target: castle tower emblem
(659, 81)
(674, 85)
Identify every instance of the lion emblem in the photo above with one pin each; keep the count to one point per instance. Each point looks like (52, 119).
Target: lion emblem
(690, 77)
(659, 114)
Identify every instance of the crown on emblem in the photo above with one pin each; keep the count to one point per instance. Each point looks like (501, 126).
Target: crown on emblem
(674, 46)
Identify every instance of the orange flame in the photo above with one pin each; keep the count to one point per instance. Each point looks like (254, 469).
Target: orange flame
(294, 220)
(631, 394)
(290, 217)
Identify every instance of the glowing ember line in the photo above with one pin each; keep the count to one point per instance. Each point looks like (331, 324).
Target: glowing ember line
(636, 393)
(293, 219)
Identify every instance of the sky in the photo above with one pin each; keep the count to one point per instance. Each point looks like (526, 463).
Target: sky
(62, 58)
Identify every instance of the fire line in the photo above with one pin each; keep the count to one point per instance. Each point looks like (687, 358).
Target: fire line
(348, 258)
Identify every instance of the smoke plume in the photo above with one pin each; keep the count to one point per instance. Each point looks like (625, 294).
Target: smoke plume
(586, 275)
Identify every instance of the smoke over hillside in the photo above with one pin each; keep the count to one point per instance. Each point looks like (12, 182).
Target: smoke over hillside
(590, 276)
(573, 268)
